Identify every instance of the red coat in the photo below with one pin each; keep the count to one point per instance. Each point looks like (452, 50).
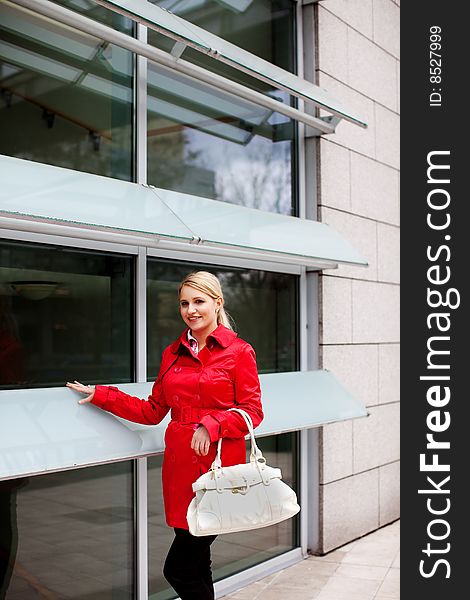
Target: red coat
(197, 390)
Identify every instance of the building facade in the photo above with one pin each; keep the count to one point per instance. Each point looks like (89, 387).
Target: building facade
(121, 174)
(359, 58)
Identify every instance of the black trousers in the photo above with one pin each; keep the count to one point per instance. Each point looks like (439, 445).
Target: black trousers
(188, 566)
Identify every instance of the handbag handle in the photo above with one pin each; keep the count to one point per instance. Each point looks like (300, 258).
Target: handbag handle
(255, 454)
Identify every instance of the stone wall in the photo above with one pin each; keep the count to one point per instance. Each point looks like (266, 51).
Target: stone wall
(358, 61)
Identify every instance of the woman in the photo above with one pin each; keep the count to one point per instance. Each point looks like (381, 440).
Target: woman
(206, 371)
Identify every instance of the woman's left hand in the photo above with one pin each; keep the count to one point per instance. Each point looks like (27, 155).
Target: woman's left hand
(201, 441)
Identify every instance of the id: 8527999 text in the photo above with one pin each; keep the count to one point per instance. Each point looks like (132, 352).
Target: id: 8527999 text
(435, 65)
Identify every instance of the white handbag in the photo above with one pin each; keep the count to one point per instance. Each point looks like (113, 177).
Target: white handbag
(241, 497)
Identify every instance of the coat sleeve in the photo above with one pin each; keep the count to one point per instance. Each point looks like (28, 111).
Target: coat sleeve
(224, 423)
(147, 412)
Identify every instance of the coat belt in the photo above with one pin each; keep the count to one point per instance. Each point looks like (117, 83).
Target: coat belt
(189, 414)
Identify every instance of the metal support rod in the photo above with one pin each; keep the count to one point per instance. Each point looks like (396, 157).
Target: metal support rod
(77, 21)
(141, 528)
(140, 110)
(141, 316)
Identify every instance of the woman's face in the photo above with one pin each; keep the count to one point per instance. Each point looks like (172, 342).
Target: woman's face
(198, 310)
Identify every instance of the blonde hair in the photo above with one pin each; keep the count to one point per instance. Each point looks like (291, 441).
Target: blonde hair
(209, 284)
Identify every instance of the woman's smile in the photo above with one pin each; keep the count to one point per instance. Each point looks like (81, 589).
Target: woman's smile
(199, 311)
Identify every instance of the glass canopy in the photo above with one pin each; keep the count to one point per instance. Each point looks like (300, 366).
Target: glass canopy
(223, 224)
(57, 433)
(65, 196)
(181, 30)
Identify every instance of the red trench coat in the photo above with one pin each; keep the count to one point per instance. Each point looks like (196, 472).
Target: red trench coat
(197, 390)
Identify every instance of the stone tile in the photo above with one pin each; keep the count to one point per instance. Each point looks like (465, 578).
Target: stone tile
(387, 136)
(387, 26)
(362, 571)
(361, 234)
(330, 596)
(396, 563)
(348, 362)
(244, 594)
(313, 566)
(373, 556)
(352, 572)
(350, 546)
(375, 312)
(389, 493)
(356, 13)
(389, 373)
(391, 533)
(375, 189)
(371, 70)
(390, 587)
(336, 449)
(335, 557)
(347, 134)
(334, 176)
(335, 310)
(349, 588)
(376, 438)
(388, 253)
(376, 549)
(281, 593)
(332, 45)
(349, 509)
(298, 582)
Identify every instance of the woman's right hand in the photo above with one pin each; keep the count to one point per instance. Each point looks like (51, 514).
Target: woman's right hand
(89, 390)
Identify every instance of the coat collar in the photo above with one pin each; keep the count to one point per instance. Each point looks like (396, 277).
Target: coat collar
(222, 335)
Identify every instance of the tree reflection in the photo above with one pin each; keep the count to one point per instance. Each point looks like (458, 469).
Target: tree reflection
(262, 179)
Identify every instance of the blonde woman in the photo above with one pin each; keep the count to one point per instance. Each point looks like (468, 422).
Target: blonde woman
(203, 373)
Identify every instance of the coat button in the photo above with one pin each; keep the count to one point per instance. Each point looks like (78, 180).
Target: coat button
(175, 397)
(177, 369)
(194, 459)
(225, 432)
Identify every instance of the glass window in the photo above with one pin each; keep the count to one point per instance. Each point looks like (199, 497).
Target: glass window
(265, 28)
(66, 96)
(248, 295)
(210, 144)
(206, 142)
(68, 535)
(93, 10)
(65, 314)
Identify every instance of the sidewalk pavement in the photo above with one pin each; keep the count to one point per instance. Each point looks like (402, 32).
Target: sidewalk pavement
(365, 569)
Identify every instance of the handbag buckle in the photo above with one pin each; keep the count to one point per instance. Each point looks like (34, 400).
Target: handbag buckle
(240, 490)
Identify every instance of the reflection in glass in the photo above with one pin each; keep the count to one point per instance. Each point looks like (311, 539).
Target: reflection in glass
(234, 552)
(92, 10)
(64, 314)
(262, 304)
(68, 535)
(66, 96)
(208, 143)
(266, 28)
